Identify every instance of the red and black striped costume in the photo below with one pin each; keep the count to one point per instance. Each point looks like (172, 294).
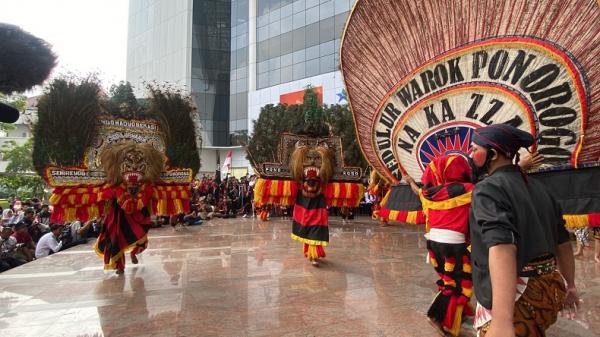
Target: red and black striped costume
(311, 224)
(125, 225)
(446, 200)
(310, 219)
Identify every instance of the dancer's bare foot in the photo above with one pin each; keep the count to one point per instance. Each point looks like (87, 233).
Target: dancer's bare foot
(120, 271)
(134, 259)
(437, 326)
(597, 258)
(315, 263)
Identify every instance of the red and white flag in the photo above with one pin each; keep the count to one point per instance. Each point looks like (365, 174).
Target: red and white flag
(227, 164)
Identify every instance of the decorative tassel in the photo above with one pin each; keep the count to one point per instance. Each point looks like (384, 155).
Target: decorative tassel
(313, 252)
(449, 264)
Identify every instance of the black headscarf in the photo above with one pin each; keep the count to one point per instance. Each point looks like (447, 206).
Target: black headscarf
(503, 138)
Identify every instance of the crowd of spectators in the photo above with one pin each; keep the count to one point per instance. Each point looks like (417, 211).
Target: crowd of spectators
(216, 198)
(26, 232)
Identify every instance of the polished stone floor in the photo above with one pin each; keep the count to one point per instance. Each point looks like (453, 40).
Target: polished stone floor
(241, 277)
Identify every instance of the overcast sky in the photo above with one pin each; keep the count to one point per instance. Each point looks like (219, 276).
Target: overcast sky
(86, 35)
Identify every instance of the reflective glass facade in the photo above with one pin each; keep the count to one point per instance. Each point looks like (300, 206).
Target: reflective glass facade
(207, 46)
(238, 99)
(298, 39)
(210, 83)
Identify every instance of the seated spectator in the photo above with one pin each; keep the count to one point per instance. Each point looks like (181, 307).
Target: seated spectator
(27, 251)
(205, 210)
(82, 231)
(49, 243)
(161, 221)
(223, 209)
(44, 215)
(36, 204)
(75, 233)
(176, 221)
(34, 227)
(8, 250)
(7, 215)
(95, 228)
(193, 218)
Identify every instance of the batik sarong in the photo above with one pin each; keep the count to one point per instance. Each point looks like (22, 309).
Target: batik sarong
(537, 308)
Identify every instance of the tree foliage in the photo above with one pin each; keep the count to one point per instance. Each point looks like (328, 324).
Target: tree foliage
(274, 120)
(122, 102)
(19, 178)
(271, 123)
(339, 118)
(122, 93)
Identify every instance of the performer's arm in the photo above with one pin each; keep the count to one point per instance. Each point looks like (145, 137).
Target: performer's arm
(530, 161)
(566, 265)
(413, 185)
(83, 229)
(566, 261)
(55, 245)
(503, 274)
(492, 217)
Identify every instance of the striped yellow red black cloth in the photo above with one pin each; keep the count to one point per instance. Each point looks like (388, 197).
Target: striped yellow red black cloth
(88, 202)
(409, 217)
(172, 199)
(310, 220)
(283, 192)
(343, 194)
(81, 203)
(275, 192)
(576, 221)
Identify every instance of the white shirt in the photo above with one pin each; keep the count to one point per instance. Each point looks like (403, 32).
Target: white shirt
(47, 243)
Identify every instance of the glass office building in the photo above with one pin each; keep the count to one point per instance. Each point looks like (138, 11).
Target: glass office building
(236, 56)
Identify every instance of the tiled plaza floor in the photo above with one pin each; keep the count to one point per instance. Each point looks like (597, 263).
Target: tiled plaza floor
(241, 277)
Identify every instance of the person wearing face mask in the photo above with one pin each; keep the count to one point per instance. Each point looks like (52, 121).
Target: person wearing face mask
(519, 242)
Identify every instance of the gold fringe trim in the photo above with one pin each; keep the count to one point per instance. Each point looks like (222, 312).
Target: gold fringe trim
(576, 221)
(457, 322)
(113, 260)
(312, 253)
(310, 242)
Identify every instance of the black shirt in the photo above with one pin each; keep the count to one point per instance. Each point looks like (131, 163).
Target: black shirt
(510, 208)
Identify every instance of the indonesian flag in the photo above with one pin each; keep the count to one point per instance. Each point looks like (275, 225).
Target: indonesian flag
(227, 164)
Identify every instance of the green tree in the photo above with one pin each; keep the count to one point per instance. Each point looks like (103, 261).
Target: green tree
(122, 93)
(19, 102)
(19, 178)
(276, 119)
(272, 122)
(340, 120)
